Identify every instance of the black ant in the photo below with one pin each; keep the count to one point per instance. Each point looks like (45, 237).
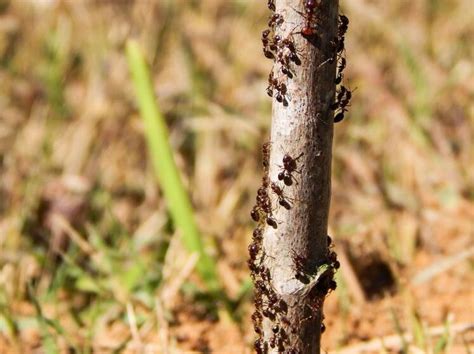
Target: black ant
(280, 344)
(329, 241)
(266, 47)
(255, 213)
(272, 222)
(268, 313)
(266, 158)
(257, 320)
(289, 166)
(340, 69)
(257, 234)
(255, 269)
(259, 346)
(282, 200)
(342, 102)
(272, 84)
(266, 205)
(343, 26)
(265, 274)
(275, 19)
(271, 5)
(257, 317)
(261, 287)
(282, 306)
(272, 341)
(309, 29)
(323, 327)
(254, 249)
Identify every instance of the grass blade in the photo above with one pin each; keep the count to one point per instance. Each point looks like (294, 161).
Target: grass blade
(164, 166)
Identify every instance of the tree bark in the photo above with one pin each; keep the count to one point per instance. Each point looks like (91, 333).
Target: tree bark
(296, 251)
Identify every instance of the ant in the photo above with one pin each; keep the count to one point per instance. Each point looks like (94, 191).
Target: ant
(269, 314)
(261, 287)
(343, 103)
(260, 346)
(343, 26)
(257, 317)
(257, 234)
(309, 29)
(265, 274)
(282, 306)
(280, 344)
(265, 160)
(300, 267)
(272, 84)
(254, 249)
(280, 87)
(271, 5)
(272, 222)
(266, 47)
(265, 204)
(332, 259)
(323, 327)
(272, 341)
(340, 69)
(253, 267)
(275, 19)
(255, 213)
(289, 166)
(281, 198)
(340, 95)
(329, 241)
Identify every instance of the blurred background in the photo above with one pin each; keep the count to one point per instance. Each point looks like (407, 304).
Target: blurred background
(90, 260)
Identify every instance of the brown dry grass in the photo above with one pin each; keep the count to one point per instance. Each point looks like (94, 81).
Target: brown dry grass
(74, 172)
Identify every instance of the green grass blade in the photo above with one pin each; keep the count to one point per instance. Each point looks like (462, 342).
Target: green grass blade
(165, 168)
(48, 341)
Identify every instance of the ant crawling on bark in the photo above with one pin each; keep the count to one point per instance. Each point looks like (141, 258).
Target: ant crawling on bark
(300, 268)
(271, 5)
(265, 159)
(255, 213)
(343, 26)
(272, 222)
(340, 69)
(275, 20)
(266, 45)
(257, 234)
(281, 94)
(309, 29)
(260, 346)
(283, 200)
(254, 249)
(343, 99)
(289, 166)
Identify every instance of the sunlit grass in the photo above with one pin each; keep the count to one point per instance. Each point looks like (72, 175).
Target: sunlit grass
(161, 155)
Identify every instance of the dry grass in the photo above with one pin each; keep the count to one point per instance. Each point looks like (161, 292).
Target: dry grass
(88, 259)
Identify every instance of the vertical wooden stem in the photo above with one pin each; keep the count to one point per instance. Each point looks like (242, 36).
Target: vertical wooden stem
(303, 127)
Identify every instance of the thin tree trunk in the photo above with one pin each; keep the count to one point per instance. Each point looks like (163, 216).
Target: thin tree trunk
(294, 269)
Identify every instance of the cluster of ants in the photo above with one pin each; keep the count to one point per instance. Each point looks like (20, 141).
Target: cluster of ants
(284, 52)
(281, 51)
(263, 209)
(304, 271)
(343, 95)
(267, 302)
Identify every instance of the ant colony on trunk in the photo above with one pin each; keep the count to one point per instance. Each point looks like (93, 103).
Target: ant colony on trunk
(273, 195)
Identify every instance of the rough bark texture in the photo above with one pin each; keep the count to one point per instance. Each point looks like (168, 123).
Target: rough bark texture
(303, 126)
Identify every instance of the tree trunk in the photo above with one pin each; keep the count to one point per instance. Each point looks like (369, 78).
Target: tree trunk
(294, 269)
